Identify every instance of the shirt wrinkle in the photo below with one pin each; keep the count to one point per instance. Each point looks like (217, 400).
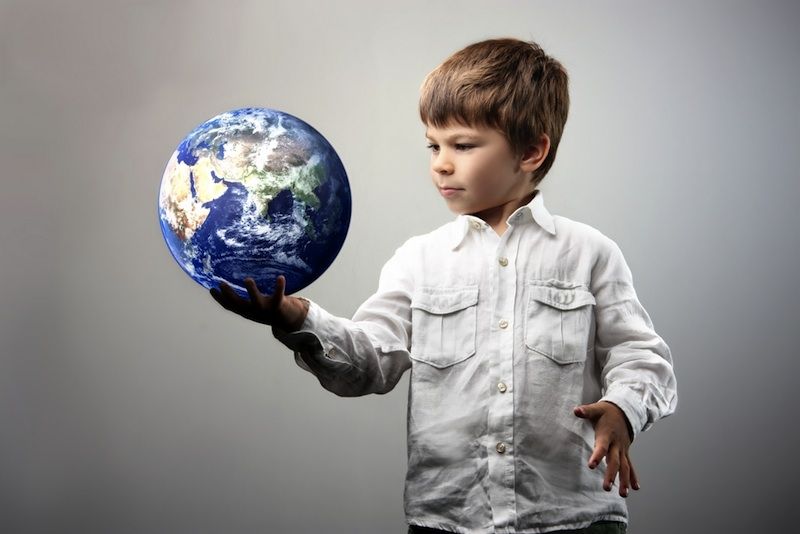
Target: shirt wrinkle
(503, 336)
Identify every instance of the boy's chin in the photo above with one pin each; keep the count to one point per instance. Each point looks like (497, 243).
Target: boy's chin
(460, 208)
(455, 205)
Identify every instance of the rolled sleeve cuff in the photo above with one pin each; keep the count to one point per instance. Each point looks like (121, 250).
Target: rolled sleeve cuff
(630, 402)
(311, 351)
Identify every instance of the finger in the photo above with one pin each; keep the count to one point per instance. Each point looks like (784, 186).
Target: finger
(634, 478)
(216, 294)
(222, 300)
(612, 463)
(600, 450)
(219, 297)
(277, 297)
(589, 411)
(252, 290)
(231, 296)
(624, 475)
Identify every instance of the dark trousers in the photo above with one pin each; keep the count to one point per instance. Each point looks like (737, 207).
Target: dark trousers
(599, 527)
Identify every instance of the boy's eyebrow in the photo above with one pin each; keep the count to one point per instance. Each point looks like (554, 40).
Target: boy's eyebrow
(469, 135)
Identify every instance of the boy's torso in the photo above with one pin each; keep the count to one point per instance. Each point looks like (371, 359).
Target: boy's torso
(502, 349)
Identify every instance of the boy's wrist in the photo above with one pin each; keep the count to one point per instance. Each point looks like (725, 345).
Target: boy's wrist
(624, 417)
(296, 313)
(630, 428)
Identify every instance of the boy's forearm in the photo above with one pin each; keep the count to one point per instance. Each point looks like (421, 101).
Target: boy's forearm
(351, 357)
(638, 375)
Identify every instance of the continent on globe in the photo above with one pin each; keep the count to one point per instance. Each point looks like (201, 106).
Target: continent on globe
(254, 192)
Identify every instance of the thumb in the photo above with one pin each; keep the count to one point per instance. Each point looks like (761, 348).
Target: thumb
(588, 411)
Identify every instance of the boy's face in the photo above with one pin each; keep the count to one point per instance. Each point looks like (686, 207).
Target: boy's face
(478, 166)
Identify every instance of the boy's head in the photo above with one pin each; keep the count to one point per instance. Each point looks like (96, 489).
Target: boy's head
(506, 89)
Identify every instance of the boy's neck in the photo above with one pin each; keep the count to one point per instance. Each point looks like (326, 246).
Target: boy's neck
(497, 216)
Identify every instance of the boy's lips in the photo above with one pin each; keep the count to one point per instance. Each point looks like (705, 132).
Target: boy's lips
(449, 191)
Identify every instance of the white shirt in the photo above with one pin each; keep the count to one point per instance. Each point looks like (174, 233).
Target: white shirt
(504, 336)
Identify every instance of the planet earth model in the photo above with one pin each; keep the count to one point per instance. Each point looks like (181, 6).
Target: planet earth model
(254, 192)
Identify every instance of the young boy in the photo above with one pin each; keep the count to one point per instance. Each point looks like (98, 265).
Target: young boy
(529, 350)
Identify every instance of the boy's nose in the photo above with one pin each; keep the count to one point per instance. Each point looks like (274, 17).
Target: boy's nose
(441, 165)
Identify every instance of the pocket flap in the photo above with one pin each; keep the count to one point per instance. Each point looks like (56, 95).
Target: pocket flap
(444, 300)
(561, 298)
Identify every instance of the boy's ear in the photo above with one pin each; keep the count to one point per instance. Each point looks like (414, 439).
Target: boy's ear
(535, 154)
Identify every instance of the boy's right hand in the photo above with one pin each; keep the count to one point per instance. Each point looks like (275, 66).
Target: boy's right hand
(284, 312)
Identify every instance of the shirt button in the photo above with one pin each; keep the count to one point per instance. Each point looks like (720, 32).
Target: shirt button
(501, 447)
(503, 261)
(503, 323)
(476, 225)
(502, 387)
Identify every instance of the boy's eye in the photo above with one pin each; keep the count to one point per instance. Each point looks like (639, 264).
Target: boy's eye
(458, 147)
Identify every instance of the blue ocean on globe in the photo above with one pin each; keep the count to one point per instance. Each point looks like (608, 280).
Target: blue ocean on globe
(254, 192)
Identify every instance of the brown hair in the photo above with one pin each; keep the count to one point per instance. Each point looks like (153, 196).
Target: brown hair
(507, 84)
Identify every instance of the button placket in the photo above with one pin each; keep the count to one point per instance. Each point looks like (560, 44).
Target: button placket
(501, 414)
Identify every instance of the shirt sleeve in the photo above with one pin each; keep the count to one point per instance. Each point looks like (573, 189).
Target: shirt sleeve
(637, 371)
(368, 353)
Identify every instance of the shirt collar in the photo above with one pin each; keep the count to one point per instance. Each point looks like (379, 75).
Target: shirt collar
(533, 210)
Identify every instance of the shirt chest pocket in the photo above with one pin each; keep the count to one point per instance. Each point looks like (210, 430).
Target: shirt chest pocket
(443, 324)
(558, 322)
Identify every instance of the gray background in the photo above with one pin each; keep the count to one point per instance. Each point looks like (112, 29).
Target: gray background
(130, 402)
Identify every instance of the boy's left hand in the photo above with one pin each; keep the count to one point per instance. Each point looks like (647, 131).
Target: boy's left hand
(612, 440)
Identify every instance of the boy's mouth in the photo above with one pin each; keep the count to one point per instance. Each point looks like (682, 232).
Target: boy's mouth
(449, 191)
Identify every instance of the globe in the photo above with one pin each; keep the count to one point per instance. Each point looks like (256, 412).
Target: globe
(254, 192)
